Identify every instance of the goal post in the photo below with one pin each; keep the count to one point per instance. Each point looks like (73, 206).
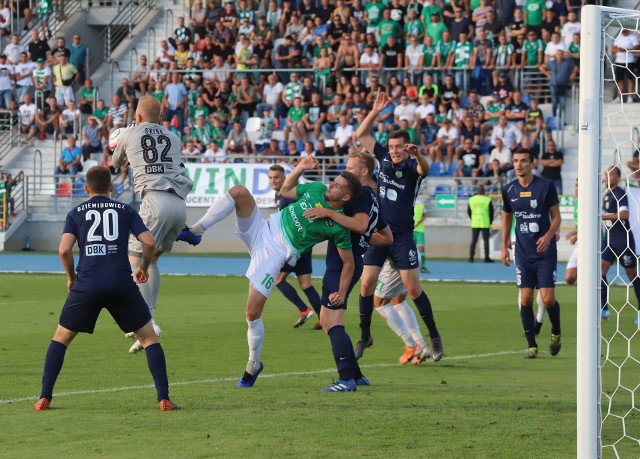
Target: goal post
(588, 299)
(608, 409)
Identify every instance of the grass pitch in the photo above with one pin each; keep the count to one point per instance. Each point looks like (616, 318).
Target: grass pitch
(482, 400)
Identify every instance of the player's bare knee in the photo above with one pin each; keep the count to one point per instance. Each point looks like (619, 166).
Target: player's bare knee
(526, 298)
(63, 335)
(238, 192)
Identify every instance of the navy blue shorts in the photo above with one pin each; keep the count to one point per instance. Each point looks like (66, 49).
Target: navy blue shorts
(620, 252)
(302, 266)
(403, 253)
(536, 272)
(81, 310)
(331, 283)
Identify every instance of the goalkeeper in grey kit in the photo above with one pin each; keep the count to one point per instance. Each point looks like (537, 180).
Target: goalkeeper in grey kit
(153, 152)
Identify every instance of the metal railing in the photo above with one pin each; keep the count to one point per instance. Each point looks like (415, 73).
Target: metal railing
(120, 27)
(16, 202)
(37, 164)
(8, 124)
(168, 25)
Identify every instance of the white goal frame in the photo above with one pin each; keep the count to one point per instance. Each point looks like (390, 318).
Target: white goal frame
(589, 444)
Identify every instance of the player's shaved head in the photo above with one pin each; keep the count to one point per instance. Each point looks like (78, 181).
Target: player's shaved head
(149, 109)
(98, 180)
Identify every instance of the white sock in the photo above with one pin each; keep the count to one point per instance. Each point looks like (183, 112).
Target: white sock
(541, 308)
(410, 321)
(255, 338)
(396, 324)
(154, 286)
(217, 212)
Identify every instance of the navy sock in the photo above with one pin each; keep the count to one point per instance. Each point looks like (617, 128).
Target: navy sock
(526, 314)
(314, 298)
(341, 345)
(52, 366)
(290, 294)
(604, 293)
(366, 311)
(636, 288)
(424, 308)
(158, 367)
(554, 318)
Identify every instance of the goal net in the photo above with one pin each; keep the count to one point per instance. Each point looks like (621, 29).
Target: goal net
(608, 338)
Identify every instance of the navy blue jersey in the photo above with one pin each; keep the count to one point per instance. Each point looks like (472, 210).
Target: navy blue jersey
(530, 208)
(101, 227)
(397, 189)
(366, 202)
(613, 202)
(282, 202)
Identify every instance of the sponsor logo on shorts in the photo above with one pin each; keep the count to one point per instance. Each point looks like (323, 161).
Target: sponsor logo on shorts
(412, 257)
(626, 260)
(93, 250)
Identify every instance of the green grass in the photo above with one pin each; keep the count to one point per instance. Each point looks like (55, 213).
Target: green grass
(466, 406)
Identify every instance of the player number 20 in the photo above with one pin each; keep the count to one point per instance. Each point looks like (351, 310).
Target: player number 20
(150, 149)
(109, 221)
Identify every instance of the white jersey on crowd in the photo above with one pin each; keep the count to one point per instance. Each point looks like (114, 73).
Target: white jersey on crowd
(153, 153)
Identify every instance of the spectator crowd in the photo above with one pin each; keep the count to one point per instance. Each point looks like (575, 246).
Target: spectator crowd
(292, 78)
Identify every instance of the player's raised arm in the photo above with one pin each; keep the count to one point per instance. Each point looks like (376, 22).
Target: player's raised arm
(423, 164)
(364, 131)
(120, 152)
(65, 251)
(288, 189)
(358, 223)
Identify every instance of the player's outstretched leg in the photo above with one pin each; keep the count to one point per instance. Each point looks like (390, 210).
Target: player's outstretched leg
(53, 364)
(255, 338)
(397, 325)
(157, 365)
(410, 321)
(149, 291)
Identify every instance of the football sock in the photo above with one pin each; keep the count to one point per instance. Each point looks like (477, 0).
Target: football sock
(396, 324)
(526, 314)
(255, 338)
(410, 321)
(158, 368)
(424, 308)
(154, 287)
(314, 299)
(541, 308)
(604, 292)
(52, 366)
(366, 311)
(357, 374)
(636, 288)
(217, 212)
(554, 318)
(340, 344)
(291, 294)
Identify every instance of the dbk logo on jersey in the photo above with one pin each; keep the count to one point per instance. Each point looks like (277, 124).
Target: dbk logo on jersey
(93, 250)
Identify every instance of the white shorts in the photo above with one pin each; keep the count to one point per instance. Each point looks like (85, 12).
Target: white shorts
(389, 282)
(164, 214)
(64, 95)
(573, 259)
(266, 246)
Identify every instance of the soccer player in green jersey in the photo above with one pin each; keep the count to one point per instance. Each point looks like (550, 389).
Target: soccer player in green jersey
(282, 238)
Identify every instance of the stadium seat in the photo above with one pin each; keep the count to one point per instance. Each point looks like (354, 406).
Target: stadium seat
(436, 169)
(453, 167)
(465, 191)
(63, 189)
(118, 189)
(444, 189)
(78, 187)
(554, 123)
(526, 100)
